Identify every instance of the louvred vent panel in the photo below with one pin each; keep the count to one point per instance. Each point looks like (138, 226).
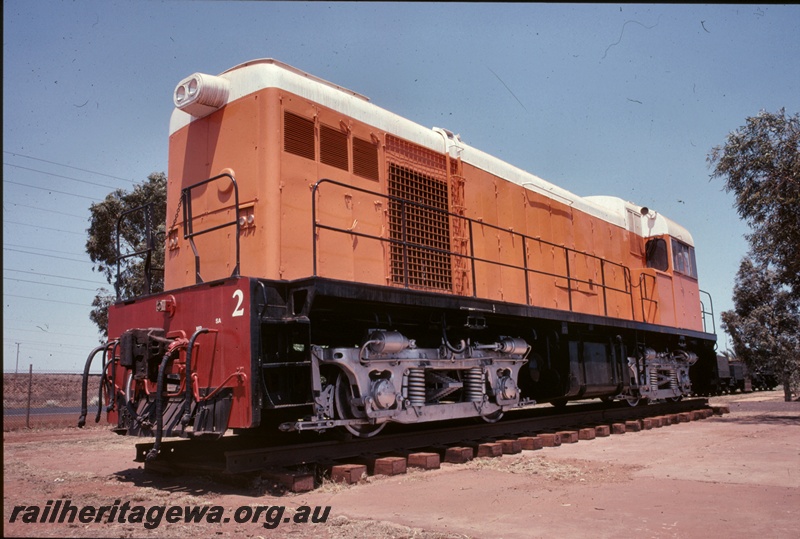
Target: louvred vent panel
(333, 147)
(298, 135)
(365, 159)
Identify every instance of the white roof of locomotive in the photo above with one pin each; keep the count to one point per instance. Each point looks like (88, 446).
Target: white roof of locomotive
(256, 75)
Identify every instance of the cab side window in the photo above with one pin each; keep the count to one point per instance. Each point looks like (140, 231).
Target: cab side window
(656, 254)
(683, 259)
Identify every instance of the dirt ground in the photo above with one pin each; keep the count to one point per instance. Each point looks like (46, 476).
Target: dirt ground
(732, 476)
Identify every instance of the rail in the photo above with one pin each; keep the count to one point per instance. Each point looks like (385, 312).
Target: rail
(147, 251)
(239, 455)
(643, 293)
(406, 245)
(708, 314)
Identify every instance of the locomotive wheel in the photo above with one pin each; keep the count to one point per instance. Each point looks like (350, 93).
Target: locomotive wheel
(633, 401)
(559, 403)
(343, 394)
(493, 417)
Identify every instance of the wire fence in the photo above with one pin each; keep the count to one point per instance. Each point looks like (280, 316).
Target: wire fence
(46, 399)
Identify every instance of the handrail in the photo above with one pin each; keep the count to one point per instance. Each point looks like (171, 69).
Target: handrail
(708, 313)
(188, 226)
(643, 293)
(405, 244)
(148, 250)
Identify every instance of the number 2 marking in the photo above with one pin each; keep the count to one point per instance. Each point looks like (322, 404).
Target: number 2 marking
(238, 311)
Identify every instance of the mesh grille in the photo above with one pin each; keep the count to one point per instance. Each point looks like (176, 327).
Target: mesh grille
(416, 155)
(427, 230)
(365, 159)
(298, 135)
(333, 147)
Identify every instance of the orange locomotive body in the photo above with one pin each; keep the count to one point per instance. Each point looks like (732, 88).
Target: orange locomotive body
(336, 264)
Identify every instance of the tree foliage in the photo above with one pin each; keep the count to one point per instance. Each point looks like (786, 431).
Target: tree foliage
(765, 323)
(760, 163)
(101, 244)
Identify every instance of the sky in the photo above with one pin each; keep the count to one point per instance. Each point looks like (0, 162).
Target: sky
(621, 100)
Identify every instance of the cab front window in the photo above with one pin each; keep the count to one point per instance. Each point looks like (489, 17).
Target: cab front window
(656, 254)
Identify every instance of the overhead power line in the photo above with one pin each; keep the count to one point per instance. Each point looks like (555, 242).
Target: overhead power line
(44, 333)
(51, 275)
(79, 253)
(60, 176)
(44, 228)
(69, 166)
(49, 256)
(48, 210)
(33, 345)
(48, 300)
(49, 284)
(93, 199)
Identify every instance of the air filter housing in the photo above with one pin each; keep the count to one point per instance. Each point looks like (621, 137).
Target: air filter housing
(201, 94)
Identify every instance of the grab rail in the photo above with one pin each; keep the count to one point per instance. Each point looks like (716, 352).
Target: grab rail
(188, 226)
(709, 313)
(405, 245)
(147, 250)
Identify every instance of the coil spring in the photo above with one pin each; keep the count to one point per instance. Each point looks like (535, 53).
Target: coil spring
(473, 384)
(416, 387)
(654, 377)
(673, 379)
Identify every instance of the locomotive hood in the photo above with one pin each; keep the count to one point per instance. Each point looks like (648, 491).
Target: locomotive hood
(200, 94)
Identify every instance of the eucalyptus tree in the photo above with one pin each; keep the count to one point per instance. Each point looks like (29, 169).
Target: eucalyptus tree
(760, 165)
(129, 224)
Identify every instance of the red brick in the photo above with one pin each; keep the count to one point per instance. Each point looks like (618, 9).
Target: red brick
(550, 439)
(390, 466)
(426, 461)
(531, 443)
(568, 436)
(632, 426)
(348, 473)
(292, 481)
(510, 447)
(490, 450)
(602, 430)
(458, 455)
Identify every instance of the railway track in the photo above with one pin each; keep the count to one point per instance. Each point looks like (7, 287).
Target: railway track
(241, 456)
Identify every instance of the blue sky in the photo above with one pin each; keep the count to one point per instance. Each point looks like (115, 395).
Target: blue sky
(624, 100)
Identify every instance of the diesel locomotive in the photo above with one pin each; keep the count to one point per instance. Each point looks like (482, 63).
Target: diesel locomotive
(332, 265)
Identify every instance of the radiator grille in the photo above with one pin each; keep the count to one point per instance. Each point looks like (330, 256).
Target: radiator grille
(425, 262)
